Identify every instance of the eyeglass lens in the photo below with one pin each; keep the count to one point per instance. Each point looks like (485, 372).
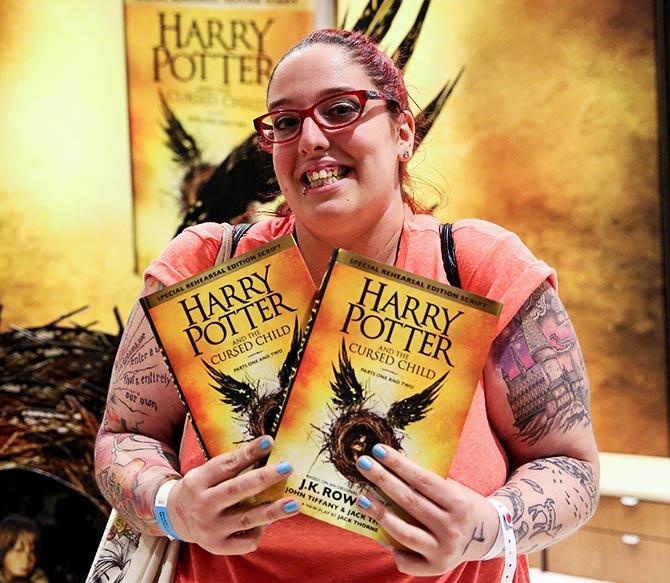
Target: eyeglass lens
(332, 113)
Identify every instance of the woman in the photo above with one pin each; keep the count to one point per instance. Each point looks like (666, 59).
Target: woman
(341, 135)
(19, 537)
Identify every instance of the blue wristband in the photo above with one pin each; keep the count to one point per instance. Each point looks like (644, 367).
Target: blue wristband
(161, 511)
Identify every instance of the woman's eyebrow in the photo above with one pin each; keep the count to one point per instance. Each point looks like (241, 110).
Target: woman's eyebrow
(273, 105)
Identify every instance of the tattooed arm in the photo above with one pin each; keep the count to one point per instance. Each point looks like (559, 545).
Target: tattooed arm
(537, 395)
(144, 418)
(135, 454)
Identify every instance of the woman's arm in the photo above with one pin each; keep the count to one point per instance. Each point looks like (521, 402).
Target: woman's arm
(537, 399)
(136, 447)
(143, 421)
(537, 394)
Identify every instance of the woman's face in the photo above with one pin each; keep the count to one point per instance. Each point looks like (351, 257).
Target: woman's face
(363, 156)
(20, 560)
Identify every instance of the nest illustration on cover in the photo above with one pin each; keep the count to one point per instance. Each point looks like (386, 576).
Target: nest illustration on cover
(258, 410)
(356, 428)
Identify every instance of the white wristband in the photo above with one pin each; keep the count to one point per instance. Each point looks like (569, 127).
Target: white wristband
(160, 510)
(504, 541)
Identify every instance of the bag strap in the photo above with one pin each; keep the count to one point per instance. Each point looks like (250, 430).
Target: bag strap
(231, 237)
(449, 255)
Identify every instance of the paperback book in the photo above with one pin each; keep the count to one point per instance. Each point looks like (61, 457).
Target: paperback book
(230, 336)
(389, 357)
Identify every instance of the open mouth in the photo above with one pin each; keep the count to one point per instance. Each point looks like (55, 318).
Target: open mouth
(324, 177)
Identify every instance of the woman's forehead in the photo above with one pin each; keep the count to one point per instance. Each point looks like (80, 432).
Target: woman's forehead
(313, 71)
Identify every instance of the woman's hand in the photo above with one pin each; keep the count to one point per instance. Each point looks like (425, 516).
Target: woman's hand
(450, 522)
(204, 506)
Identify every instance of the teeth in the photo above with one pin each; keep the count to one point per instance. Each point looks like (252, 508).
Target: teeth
(322, 177)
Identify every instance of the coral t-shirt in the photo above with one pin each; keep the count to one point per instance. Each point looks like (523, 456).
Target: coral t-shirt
(492, 262)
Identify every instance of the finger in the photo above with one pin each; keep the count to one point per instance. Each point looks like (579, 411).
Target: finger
(256, 516)
(411, 501)
(434, 487)
(228, 465)
(413, 564)
(238, 543)
(248, 484)
(408, 535)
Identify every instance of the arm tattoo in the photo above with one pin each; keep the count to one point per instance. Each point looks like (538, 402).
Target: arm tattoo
(542, 365)
(543, 512)
(476, 537)
(134, 458)
(514, 495)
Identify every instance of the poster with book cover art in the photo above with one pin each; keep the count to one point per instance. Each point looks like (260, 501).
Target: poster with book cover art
(390, 357)
(231, 336)
(200, 70)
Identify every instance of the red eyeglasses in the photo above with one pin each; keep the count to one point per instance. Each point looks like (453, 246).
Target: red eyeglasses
(332, 113)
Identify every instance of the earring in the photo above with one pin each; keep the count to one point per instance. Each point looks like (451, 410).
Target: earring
(405, 155)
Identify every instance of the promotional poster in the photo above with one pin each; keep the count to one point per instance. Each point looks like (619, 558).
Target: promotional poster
(197, 74)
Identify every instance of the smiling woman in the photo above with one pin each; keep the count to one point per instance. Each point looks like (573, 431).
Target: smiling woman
(341, 132)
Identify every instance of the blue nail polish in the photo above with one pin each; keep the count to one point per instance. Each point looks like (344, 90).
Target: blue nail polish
(265, 443)
(364, 502)
(378, 451)
(291, 506)
(284, 468)
(364, 463)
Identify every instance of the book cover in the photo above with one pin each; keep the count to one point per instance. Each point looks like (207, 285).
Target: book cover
(230, 336)
(197, 75)
(389, 357)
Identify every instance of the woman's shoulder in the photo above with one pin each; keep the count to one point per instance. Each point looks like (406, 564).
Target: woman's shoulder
(265, 231)
(190, 252)
(494, 262)
(195, 248)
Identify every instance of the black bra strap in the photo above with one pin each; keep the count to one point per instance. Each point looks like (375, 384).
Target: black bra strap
(449, 255)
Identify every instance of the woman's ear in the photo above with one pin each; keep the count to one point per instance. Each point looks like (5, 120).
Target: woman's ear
(406, 128)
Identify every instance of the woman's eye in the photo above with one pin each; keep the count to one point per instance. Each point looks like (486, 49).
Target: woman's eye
(342, 110)
(284, 123)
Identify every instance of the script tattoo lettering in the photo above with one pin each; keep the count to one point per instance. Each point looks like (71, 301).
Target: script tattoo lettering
(542, 365)
(129, 463)
(127, 408)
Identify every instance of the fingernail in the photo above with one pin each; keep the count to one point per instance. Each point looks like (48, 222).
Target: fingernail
(378, 451)
(365, 463)
(284, 468)
(265, 443)
(291, 506)
(364, 502)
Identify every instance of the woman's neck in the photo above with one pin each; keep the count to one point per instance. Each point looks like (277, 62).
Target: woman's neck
(380, 244)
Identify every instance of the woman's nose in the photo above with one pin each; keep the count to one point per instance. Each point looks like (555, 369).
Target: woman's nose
(312, 137)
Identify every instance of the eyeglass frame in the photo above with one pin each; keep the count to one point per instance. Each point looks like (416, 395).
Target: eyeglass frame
(364, 95)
